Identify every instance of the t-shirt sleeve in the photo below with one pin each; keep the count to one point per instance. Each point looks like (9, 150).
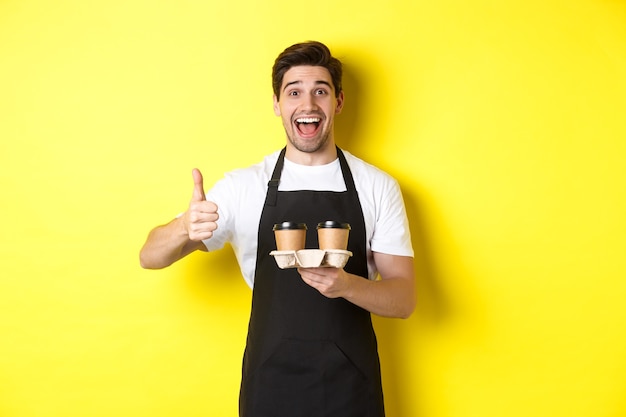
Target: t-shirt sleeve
(391, 231)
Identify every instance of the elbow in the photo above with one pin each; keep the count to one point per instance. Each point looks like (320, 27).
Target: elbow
(147, 263)
(408, 308)
(405, 313)
(398, 312)
(144, 263)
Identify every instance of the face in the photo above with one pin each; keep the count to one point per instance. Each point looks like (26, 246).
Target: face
(307, 106)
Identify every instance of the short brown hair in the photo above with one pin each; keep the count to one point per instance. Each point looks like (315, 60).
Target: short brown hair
(311, 53)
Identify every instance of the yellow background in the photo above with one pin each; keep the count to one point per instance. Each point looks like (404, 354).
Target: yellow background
(504, 123)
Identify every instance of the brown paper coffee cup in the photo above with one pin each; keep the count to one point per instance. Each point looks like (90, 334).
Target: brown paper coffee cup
(290, 236)
(333, 235)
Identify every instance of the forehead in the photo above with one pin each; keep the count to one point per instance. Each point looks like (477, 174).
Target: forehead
(306, 74)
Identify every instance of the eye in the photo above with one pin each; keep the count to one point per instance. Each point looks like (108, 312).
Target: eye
(320, 92)
(293, 93)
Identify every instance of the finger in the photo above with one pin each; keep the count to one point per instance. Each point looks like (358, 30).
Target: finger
(203, 212)
(198, 186)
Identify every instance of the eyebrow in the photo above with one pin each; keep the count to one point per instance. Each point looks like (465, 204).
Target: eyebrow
(318, 82)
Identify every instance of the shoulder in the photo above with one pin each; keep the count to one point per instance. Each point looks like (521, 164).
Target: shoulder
(368, 175)
(365, 167)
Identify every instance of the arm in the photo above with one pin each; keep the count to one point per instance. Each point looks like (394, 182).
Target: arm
(168, 243)
(391, 296)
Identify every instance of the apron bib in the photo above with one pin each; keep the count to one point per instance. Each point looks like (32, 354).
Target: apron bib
(308, 355)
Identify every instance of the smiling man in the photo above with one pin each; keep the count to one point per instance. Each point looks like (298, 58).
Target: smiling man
(307, 103)
(311, 348)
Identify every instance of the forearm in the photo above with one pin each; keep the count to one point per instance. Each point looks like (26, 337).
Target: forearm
(165, 245)
(392, 297)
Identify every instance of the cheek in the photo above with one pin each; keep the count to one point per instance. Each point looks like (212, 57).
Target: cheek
(286, 121)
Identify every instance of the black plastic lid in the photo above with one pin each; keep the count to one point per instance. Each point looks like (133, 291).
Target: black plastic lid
(332, 224)
(289, 226)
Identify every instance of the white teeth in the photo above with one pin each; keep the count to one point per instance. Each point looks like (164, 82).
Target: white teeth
(308, 120)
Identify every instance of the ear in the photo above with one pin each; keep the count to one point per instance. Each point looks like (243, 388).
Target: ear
(276, 106)
(340, 100)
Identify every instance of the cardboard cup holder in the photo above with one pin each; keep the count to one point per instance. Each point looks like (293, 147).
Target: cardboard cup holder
(311, 258)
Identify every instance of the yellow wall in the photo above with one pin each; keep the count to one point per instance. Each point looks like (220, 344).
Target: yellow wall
(503, 121)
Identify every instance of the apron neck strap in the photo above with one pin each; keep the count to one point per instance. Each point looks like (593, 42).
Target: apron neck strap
(272, 185)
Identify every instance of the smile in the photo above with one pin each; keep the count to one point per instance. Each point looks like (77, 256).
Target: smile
(307, 126)
(308, 120)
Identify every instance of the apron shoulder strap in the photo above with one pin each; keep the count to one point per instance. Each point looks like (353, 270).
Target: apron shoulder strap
(345, 170)
(272, 185)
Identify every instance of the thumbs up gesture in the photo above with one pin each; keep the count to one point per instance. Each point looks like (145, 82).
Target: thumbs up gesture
(201, 217)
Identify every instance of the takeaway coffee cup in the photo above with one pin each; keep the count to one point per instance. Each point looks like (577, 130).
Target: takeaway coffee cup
(333, 235)
(290, 235)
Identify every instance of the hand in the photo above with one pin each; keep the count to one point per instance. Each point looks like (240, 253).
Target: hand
(201, 217)
(330, 282)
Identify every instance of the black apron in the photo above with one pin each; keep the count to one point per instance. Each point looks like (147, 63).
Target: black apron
(308, 355)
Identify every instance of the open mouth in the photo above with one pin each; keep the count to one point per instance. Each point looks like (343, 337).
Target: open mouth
(308, 126)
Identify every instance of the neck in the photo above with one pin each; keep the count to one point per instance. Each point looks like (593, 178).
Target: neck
(322, 156)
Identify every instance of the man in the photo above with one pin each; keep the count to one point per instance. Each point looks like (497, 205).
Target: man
(311, 348)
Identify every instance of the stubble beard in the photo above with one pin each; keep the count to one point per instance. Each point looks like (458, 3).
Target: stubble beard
(308, 146)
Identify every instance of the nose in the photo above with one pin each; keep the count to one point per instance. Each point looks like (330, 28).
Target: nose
(309, 102)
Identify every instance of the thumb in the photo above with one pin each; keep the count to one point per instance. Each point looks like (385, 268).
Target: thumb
(198, 186)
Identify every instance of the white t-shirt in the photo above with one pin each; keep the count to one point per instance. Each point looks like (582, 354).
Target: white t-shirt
(240, 196)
